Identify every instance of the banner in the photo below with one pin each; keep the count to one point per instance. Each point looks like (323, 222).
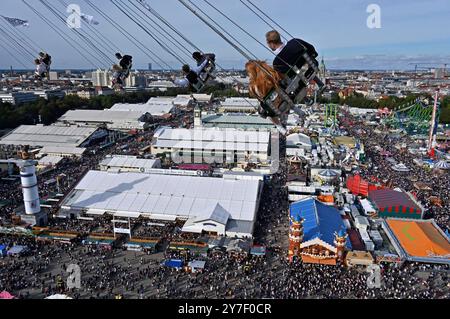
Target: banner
(122, 231)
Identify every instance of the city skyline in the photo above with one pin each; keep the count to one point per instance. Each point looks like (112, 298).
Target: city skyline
(411, 32)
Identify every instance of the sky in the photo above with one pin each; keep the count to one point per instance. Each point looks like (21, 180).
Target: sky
(412, 31)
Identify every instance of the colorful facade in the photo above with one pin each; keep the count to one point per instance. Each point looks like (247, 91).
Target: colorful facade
(323, 239)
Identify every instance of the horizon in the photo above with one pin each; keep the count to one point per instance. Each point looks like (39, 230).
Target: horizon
(224, 70)
(411, 32)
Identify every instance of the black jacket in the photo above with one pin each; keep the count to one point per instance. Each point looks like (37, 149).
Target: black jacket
(47, 59)
(126, 61)
(210, 56)
(292, 55)
(192, 77)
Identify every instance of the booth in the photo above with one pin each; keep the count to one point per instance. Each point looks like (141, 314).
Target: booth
(17, 250)
(196, 266)
(4, 295)
(174, 263)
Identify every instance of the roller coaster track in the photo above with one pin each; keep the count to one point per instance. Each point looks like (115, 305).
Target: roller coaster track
(413, 116)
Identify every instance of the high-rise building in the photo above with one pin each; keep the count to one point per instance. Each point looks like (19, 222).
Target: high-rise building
(101, 78)
(323, 70)
(439, 73)
(150, 67)
(53, 76)
(136, 80)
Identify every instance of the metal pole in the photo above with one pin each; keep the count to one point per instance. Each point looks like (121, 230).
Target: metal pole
(432, 139)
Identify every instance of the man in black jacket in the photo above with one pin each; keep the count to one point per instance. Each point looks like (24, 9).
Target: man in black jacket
(200, 58)
(125, 62)
(289, 54)
(191, 75)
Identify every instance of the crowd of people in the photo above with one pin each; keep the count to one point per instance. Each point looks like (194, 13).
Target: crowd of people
(108, 273)
(439, 184)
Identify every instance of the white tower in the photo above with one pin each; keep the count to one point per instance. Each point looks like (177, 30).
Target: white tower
(32, 208)
(197, 117)
(29, 187)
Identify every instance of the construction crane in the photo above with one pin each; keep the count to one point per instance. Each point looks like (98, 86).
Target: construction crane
(429, 67)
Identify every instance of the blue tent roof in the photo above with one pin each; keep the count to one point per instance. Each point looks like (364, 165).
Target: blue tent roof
(320, 220)
(174, 263)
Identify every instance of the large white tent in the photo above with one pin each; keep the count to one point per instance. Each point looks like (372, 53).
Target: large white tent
(167, 197)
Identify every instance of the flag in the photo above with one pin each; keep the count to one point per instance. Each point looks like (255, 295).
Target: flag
(89, 19)
(17, 22)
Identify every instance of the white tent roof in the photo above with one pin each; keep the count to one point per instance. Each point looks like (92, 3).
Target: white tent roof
(215, 213)
(130, 161)
(58, 296)
(39, 135)
(166, 195)
(328, 173)
(442, 165)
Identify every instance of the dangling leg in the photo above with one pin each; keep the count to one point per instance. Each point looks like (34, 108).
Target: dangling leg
(279, 125)
(299, 111)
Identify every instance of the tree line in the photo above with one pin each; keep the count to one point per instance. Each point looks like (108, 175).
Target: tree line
(48, 111)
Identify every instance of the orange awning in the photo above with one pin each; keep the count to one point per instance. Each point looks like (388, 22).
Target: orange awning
(420, 238)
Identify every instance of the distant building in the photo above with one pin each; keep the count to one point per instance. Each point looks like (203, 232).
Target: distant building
(161, 85)
(136, 80)
(345, 93)
(101, 78)
(53, 76)
(46, 94)
(232, 120)
(110, 119)
(297, 141)
(200, 98)
(239, 105)
(99, 90)
(439, 73)
(206, 145)
(217, 206)
(72, 139)
(87, 93)
(150, 67)
(16, 98)
(156, 109)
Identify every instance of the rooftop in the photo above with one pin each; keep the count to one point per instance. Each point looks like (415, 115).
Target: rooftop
(385, 198)
(164, 196)
(39, 135)
(421, 238)
(320, 221)
(100, 116)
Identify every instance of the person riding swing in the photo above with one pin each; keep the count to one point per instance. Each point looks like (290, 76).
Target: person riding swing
(296, 60)
(43, 65)
(207, 72)
(294, 67)
(192, 77)
(121, 71)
